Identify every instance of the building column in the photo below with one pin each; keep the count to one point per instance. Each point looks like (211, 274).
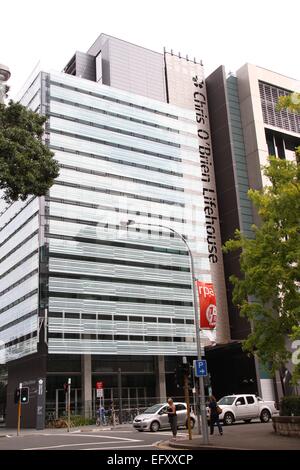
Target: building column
(161, 392)
(266, 383)
(86, 381)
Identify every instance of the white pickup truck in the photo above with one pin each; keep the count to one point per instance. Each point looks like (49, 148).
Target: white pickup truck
(245, 408)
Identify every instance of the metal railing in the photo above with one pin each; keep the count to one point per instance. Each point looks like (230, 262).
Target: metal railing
(86, 412)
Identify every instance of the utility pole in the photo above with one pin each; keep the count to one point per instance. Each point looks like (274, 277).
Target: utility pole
(187, 395)
(19, 409)
(120, 395)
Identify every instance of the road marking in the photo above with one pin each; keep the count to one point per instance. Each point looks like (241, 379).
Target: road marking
(122, 447)
(75, 445)
(112, 437)
(95, 436)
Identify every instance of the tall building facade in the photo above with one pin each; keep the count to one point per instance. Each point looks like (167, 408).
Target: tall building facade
(246, 128)
(84, 296)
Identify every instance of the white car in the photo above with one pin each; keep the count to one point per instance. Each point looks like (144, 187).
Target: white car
(245, 408)
(155, 417)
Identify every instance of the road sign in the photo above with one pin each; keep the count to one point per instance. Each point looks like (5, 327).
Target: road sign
(200, 368)
(99, 385)
(100, 393)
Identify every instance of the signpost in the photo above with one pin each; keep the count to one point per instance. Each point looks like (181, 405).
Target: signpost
(19, 409)
(100, 395)
(69, 404)
(200, 368)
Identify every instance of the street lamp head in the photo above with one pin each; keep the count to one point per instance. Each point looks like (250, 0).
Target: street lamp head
(4, 73)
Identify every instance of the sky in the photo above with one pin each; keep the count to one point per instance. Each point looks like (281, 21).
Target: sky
(227, 32)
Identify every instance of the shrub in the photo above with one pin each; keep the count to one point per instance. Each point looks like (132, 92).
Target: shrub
(290, 406)
(78, 420)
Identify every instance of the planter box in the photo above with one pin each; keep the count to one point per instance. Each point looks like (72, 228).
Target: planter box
(287, 425)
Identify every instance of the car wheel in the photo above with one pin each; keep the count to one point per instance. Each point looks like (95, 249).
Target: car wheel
(192, 421)
(228, 419)
(154, 426)
(247, 421)
(265, 416)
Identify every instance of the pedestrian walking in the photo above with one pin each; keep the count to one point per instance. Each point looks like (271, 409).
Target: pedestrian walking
(214, 415)
(103, 415)
(171, 410)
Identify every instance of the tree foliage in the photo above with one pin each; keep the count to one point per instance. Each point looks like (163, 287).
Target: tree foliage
(268, 293)
(27, 165)
(290, 102)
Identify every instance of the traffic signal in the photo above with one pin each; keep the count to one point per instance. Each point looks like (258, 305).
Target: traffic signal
(24, 395)
(207, 380)
(191, 377)
(179, 375)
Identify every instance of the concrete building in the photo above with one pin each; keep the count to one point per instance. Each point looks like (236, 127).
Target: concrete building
(246, 128)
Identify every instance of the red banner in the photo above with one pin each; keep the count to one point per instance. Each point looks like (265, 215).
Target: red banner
(207, 304)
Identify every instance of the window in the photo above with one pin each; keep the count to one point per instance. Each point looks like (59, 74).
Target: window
(71, 315)
(104, 317)
(151, 338)
(180, 407)
(132, 318)
(88, 336)
(120, 317)
(136, 338)
(164, 320)
(240, 401)
(55, 314)
(250, 400)
(88, 316)
(55, 335)
(105, 337)
(71, 336)
(150, 319)
(178, 320)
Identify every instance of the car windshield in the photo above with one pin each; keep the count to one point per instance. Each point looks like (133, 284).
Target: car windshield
(226, 401)
(152, 409)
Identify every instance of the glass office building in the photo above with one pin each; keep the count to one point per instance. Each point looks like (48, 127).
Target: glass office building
(82, 293)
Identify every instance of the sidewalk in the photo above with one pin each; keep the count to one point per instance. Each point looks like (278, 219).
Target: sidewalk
(4, 432)
(238, 437)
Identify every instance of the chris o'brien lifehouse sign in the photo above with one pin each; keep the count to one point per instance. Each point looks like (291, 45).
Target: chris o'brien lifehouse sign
(205, 154)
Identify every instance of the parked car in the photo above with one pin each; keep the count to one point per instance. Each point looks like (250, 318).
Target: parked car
(245, 408)
(155, 417)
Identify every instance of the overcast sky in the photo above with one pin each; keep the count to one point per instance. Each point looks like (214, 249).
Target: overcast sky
(229, 32)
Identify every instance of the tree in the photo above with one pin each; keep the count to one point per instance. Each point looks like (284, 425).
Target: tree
(27, 165)
(268, 293)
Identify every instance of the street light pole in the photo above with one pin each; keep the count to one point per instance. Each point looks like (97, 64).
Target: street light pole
(203, 428)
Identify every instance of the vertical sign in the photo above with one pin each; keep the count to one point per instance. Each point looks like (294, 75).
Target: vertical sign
(187, 89)
(207, 304)
(40, 403)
